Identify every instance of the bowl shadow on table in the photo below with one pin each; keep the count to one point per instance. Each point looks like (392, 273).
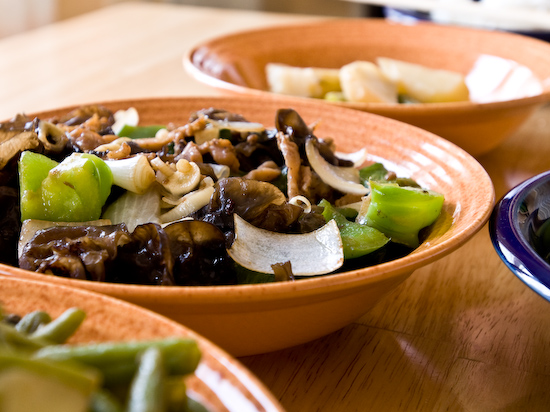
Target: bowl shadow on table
(393, 370)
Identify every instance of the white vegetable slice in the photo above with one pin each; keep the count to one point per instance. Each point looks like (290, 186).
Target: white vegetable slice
(212, 130)
(310, 254)
(364, 82)
(358, 158)
(302, 81)
(134, 173)
(425, 84)
(190, 203)
(345, 179)
(134, 209)
(129, 117)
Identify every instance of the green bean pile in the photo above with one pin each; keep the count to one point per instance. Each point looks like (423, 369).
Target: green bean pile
(137, 376)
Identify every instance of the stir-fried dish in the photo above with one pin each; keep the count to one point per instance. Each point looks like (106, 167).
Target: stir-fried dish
(218, 200)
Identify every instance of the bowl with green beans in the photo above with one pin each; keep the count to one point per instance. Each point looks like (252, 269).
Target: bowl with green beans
(67, 350)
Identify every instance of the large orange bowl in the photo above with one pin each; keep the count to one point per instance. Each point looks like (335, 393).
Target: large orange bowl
(220, 382)
(251, 319)
(236, 64)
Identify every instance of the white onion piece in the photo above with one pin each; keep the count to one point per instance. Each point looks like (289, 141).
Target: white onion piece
(315, 253)
(188, 204)
(344, 179)
(135, 209)
(129, 117)
(133, 173)
(242, 127)
(212, 130)
(358, 158)
(301, 201)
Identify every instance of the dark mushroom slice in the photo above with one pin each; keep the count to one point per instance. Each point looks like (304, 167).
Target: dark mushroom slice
(80, 252)
(200, 256)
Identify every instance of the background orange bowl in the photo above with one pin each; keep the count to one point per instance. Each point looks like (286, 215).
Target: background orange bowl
(236, 64)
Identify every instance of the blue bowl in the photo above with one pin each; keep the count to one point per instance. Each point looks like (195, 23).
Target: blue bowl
(520, 231)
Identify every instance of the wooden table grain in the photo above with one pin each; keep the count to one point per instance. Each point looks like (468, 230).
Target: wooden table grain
(462, 334)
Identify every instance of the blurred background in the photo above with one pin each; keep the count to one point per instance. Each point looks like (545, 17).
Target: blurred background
(518, 15)
(20, 15)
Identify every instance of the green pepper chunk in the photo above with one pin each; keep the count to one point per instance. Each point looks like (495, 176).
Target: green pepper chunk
(33, 169)
(375, 171)
(139, 132)
(74, 190)
(357, 239)
(401, 212)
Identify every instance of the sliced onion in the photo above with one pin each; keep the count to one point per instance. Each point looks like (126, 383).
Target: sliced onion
(344, 179)
(129, 117)
(358, 158)
(212, 130)
(134, 173)
(189, 203)
(301, 201)
(315, 253)
(135, 209)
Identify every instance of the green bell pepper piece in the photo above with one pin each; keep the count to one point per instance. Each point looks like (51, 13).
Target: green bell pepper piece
(401, 212)
(358, 240)
(74, 190)
(138, 132)
(375, 171)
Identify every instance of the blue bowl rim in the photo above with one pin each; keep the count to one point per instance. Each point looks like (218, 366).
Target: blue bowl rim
(510, 243)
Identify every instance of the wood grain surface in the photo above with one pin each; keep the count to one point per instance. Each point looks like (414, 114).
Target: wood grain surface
(462, 334)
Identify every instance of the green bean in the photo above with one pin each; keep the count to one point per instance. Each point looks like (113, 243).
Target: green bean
(32, 321)
(181, 356)
(61, 328)
(147, 389)
(176, 394)
(9, 336)
(104, 401)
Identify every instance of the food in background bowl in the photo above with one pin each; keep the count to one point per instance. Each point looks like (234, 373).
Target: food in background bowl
(388, 80)
(384, 81)
(216, 200)
(257, 318)
(236, 64)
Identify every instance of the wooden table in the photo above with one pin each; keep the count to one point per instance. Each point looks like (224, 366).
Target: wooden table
(462, 334)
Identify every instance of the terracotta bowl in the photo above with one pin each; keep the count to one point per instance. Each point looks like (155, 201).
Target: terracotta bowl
(220, 382)
(251, 319)
(236, 64)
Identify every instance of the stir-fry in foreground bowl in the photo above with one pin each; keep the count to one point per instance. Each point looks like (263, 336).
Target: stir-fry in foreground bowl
(217, 200)
(248, 196)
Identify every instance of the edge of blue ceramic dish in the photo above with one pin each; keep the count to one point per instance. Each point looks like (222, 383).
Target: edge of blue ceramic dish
(510, 243)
